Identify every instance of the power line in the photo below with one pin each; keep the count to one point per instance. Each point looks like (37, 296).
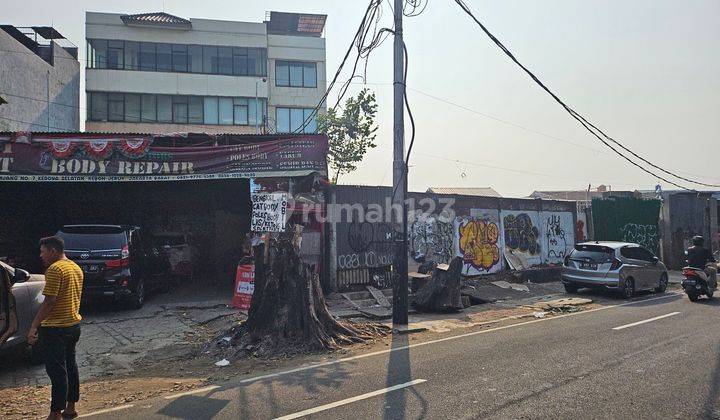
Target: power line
(586, 124)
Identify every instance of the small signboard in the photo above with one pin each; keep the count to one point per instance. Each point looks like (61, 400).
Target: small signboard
(268, 212)
(244, 286)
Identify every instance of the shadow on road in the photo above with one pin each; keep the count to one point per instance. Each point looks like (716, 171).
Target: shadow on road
(399, 371)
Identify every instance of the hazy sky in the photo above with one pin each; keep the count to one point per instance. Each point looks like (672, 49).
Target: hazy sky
(646, 71)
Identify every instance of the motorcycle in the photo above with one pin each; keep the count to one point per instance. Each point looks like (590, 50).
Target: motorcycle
(697, 283)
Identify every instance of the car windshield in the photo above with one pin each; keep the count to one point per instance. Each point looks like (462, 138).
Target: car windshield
(93, 237)
(595, 253)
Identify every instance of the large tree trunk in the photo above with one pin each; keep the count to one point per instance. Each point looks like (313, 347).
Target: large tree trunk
(288, 313)
(442, 292)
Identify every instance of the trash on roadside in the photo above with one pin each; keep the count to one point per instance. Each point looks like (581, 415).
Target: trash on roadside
(222, 363)
(539, 314)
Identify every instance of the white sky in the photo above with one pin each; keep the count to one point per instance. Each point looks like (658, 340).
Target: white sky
(646, 71)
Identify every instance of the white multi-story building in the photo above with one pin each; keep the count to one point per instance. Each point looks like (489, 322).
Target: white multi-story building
(160, 73)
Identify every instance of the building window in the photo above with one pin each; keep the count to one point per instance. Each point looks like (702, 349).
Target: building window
(148, 108)
(179, 58)
(132, 55)
(116, 107)
(98, 106)
(180, 109)
(132, 108)
(291, 120)
(164, 57)
(147, 57)
(164, 108)
(295, 74)
(177, 109)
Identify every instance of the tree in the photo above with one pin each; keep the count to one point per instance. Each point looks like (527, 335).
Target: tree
(288, 313)
(350, 132)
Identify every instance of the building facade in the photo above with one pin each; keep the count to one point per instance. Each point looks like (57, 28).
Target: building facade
(159, 73)
(39, 80)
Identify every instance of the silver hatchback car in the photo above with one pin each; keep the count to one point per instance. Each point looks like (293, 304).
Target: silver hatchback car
(619, 266)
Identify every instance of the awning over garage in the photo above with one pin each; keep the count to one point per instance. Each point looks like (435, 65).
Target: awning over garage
(90, 157)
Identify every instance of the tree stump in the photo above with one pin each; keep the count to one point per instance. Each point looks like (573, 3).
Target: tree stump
(442, 292)
(288, 313)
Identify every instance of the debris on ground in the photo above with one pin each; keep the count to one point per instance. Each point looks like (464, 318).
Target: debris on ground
(539, 315)
(222, 363)
(562, 305)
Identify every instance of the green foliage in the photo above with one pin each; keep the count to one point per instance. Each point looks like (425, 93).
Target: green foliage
(351, 132)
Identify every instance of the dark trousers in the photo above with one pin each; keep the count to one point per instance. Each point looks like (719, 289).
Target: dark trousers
(58, 350)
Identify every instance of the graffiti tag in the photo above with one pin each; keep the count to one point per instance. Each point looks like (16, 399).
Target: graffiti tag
(555, 237)
(432, 239)
(478, 241)
(520, 234)
(645, 235)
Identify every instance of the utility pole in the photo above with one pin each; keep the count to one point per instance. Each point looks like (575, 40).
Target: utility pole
(400, 259)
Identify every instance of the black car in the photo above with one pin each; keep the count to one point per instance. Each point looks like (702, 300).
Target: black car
(121, 262)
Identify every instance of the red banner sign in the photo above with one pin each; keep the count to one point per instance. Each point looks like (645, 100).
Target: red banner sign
(48, 158)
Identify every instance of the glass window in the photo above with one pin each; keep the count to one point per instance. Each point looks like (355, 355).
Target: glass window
(240, 61)
(282, 120)
(252, 113)
(253, 62)
(210, 110)
(240, 111)
(132, 55)
(164, 108)
(147, 56)
(210, 60)
(116, 107)
(309, 75)
(195, 110)
(282, 73)
(98, 106)
(148, 108)
(296, 75)
(226, 111)
(115, 55)
(98, 53)
(132, 107)
(225, 60)
(164, 57)
(263, 62)
(297, 119)
(179, 58)
(195, 58)
(309, 115)
(180, 109)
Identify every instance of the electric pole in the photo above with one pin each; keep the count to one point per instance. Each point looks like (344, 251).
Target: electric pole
(400, 262)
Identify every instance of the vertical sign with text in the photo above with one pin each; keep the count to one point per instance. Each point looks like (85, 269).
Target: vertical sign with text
(268, 212)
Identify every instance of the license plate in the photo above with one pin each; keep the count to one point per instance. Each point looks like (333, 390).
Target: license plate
(91, 268)
(588, 266)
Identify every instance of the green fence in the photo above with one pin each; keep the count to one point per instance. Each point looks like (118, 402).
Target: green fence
(627, 219)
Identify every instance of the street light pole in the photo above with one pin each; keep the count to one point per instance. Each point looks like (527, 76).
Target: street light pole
(400, 258)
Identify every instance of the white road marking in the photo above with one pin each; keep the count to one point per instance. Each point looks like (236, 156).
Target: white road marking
(350, 400)
(194, 391)
(455, 337)
(622, 327)
(107, 410)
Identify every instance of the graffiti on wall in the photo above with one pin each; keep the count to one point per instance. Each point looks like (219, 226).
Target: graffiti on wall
(581, 227)
(431, 237)
(522, 236)
(645, 235)
(558, 236)
(370, 243)
(480, 243)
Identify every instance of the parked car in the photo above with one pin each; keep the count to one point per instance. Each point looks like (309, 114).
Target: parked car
(120, 262)
(619, 266)
(18, 308)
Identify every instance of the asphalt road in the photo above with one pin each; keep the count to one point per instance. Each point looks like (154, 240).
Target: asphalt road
(575, 366)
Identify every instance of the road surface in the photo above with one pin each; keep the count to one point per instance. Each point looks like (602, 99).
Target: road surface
(655, 358)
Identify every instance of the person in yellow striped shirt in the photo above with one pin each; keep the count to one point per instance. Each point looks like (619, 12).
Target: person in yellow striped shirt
(56, 327)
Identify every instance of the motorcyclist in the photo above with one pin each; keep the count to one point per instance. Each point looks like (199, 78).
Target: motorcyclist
(700, 257)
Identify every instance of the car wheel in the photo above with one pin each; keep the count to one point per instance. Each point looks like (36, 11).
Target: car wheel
(571, 288)
(629, 289)
(662, 285)
(709, 295)
(693, 297)
(138, 297)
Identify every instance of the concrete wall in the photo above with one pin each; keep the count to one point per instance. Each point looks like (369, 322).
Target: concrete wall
(489, 233)
(685, 215)
(27, 81)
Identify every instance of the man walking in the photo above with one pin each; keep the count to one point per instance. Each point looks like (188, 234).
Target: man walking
(57, 326)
